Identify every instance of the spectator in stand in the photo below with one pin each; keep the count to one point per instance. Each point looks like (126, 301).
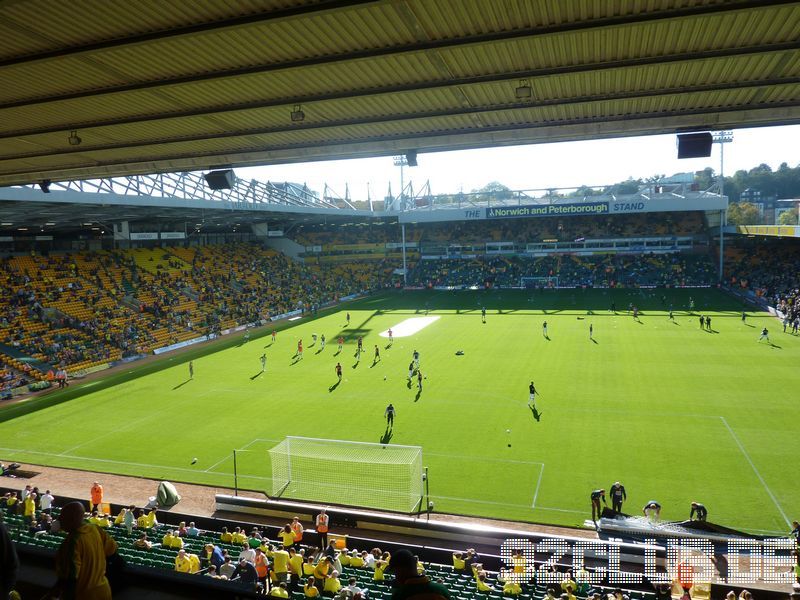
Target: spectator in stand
(331, 549)
(332, 584)
(29, 507)
(211, 556)
(192, 531)
(287, 536)
(151, 519)
(183, 562)
(512, 588)
(143, 543)
(254, 540)
(245, 573)
(141, 520)
(295, 569)
(225, 536)
(9, 562)
(310, 588)
(227, 569)
(261, 563)
(321, 523)
(482, 585)
(380, 568)
(182, 529)
(279, 591)
(96, 496)
(459, 565)
(238, 537)
(408, 584)
(81, 558)
(247, 554)
(280, 564)
(46, 502)
(297, 529)
(321, 572)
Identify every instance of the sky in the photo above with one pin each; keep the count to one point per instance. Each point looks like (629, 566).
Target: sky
(537, 166)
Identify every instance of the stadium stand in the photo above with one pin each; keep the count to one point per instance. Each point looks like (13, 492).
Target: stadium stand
(465, 579)
(80, 311)
(670, 270)
(767, 268)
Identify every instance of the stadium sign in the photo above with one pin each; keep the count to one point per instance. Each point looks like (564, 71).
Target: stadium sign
(622, 205)
(749, 561)
(547, 210)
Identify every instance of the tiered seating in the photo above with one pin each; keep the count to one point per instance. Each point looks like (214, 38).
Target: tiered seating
(590, 271)
(562, 229)
(462, 586)
(88, 309)
(768, 268)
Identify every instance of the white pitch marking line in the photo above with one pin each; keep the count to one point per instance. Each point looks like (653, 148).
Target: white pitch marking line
(755, 470)
(124, 426)
(538, 483)
(245, 447)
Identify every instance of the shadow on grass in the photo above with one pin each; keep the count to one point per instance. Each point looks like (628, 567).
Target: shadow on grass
(180, 385)
(257, 375)
(387, 435)
(334, 386)
(594, 341)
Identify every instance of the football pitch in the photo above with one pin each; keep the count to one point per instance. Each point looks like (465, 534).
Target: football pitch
(674, 412)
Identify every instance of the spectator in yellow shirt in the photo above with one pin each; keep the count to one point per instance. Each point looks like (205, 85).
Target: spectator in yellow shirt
(459, 564)
(332, 584)
(238, 537)
(279, 591)
(183, 564)
(225, 535)
(355, 559)
(321, 572)
(287, 536)
(81, 558)
(141, 520)
(29, 507)
(176, 543)
(481, 584)
(380, 567)
(308, 566)
(295, 565)
(310, 588)
(151, 519)
(512, 588)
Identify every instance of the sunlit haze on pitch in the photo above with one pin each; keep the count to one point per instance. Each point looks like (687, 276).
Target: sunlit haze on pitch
(538, 166)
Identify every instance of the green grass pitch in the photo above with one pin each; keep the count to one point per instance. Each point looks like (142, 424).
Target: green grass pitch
(677, 414)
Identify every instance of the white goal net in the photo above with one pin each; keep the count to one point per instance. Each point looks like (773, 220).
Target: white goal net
(384, 476)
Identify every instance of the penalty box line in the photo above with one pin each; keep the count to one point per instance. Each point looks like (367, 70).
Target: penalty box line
(245, 447)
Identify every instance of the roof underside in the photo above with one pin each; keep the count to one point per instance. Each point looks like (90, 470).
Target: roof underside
(157, 85)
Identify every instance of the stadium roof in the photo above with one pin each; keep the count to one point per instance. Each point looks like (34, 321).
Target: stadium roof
(155, 86)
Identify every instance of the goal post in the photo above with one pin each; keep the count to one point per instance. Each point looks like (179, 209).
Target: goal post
(382, 476)
(538, 282)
